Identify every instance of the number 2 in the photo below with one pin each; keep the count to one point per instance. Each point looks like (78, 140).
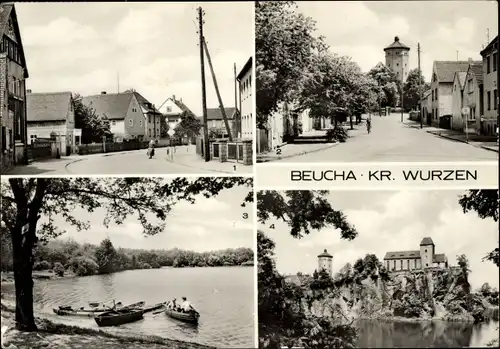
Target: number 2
(278, 151)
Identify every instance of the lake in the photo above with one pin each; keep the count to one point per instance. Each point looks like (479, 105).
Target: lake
(435, 334)
(224, 297)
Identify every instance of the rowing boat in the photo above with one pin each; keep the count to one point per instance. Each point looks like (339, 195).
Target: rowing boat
(118, 317)
(191, 317)
(154, 307)
(94, 311)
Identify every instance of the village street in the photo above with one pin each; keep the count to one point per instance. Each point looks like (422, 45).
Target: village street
(392, 140)
(184, 161)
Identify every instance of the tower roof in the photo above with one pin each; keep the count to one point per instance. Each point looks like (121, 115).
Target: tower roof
(397, 45)
(325, 254)
(426, 241)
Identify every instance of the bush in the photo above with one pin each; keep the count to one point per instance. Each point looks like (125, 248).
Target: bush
(43, 265)
(145, 266)
(58, 269)
(83, 266)
(337, 134)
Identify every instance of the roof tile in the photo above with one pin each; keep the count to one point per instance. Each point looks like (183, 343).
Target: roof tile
(47, 106)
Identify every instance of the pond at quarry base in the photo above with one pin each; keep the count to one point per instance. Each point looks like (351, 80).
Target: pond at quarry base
(224, 297)
(424, 334)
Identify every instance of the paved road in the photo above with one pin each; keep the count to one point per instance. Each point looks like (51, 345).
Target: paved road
(132, 162)
(391, 140)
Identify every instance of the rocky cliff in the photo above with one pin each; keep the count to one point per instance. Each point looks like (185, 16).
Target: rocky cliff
(442, 294)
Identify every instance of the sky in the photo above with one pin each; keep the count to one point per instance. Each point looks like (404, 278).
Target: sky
(392, 221)
(152, 47)
(362, 30)
(209, 224)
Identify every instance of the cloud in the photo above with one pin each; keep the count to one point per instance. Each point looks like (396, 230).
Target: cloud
(56, 33)
(210, 205)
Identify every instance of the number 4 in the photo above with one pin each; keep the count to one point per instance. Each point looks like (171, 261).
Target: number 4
(272, 226)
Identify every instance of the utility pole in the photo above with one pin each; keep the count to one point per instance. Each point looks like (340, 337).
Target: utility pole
(457, 55)
(206, 145)
(420, 85)
(118, 82)
(221, 105)
(238, 114)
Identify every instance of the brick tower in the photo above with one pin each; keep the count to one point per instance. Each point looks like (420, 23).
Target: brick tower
(397, 57)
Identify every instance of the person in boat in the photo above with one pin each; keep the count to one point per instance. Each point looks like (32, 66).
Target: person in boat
(186, 307)
(172, 304)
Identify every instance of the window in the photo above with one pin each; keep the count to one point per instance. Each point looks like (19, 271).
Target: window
(140, 123)
(149, 132)
(4, 140)
(488, 64)
(113, 122)
(432, 94)
(214, 124)
(401, 264)
(426, 264)
(130, 122)
(149, 118)
(495, 99)
(134, 110)
(488, 105)
(495, 62)
(436, 94)
(169, 109)
(394, 265)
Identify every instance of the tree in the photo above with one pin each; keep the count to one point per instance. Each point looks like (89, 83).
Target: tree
(281, 314)
(25, 202)
(284, 45)
(93, 126)
(386, 83)
(485, 203)
(330, 88)
(106, 257)
(59, 269)
(189, 126)
(414, 87)
(164, 127)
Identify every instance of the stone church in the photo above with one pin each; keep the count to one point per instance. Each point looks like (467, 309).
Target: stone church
(426, 257)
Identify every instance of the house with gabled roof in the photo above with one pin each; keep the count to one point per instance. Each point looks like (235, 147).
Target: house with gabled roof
(473, 97)
(443, 74)
(13, 75)
(425, 257)
(51, 115)
(457, 98)
(131, 115)
(490, 95)
(173, 109)
(215, 121)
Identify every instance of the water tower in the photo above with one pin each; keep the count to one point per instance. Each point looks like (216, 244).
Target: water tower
(325, 262)
(397, 56)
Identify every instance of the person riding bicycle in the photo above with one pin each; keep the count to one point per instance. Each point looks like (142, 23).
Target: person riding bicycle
(151, 148)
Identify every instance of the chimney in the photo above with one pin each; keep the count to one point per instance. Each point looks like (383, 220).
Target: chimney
(396, 38)
(173, 97)
(103, 92)
(470, 60)
(28, 91)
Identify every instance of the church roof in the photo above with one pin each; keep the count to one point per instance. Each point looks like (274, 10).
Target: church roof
(397, 45)
(439, 258)
(426, 241)
(325, 254)
(403, 255)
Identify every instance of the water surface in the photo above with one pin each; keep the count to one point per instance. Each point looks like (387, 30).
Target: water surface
(223, 296)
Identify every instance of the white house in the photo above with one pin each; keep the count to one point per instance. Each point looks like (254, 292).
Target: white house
(457, 122)
(246, 101)
(473, 96)
(173, 110)
(51, 115)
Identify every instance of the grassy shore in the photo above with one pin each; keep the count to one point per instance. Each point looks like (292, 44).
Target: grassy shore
(8, 276)
(56, 335)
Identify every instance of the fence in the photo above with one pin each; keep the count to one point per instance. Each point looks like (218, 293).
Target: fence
(97, 148)
(42, 149)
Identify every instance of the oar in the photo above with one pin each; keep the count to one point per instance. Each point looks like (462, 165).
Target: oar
(159, 311)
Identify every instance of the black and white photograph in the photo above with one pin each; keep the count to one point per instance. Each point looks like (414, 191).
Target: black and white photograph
(126, 88)
(378, 269)
(127, 262)
(376, 81)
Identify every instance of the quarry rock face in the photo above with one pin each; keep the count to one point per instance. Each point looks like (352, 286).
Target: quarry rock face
(420, 295)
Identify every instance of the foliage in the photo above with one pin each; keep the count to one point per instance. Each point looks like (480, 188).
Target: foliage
(42, 265)
(284, 44)
(414, 88)
(83, 266)
(59, 269)
(189, 126)
(485, 203)
(337, 134)
(26, 200)
(387, 87)
(106, 257)
(94, 127)
(303, 211)
(164, 127)
(283, 319)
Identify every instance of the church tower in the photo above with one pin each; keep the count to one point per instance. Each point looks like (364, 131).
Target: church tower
(427, 252)
(397, 56)
(325, 262)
